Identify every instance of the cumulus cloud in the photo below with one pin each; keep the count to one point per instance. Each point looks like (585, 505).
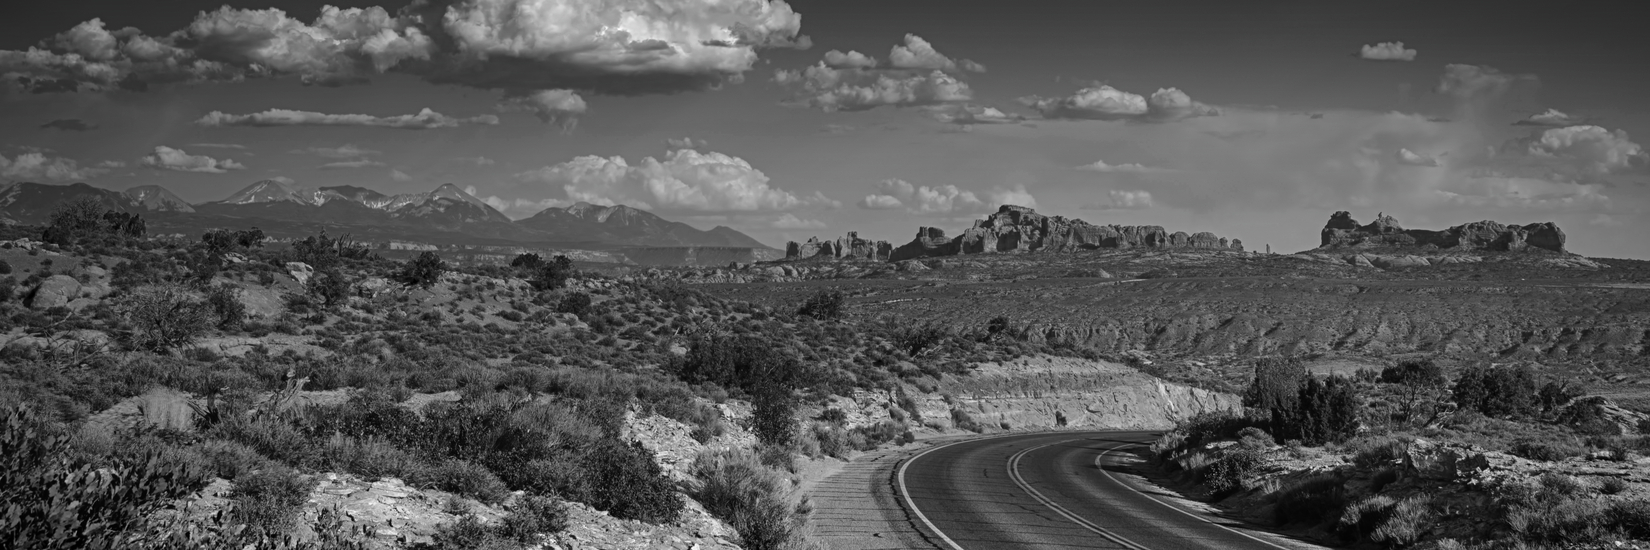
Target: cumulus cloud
(176, 159)
(968, 114)
(345, 151)
(941, 199)
(828, 89)
(790, 221)
(398, 175)
(424, 120)
(218, 145)
(1127, 167)
(600, 46)
(685, 179)
(1469, 82)
(1119, 199)
(918, 54)
(1108, 103)
(38, 167)
(517, 208)
(1590, 148)
(559, 107)
(348, 164)
(1411, 158)
(851, 60)
(1387, 51)
(686, 143)
(1551, 118)
(69, 124)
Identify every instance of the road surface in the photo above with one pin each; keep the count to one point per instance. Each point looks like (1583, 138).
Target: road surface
(1054, 490)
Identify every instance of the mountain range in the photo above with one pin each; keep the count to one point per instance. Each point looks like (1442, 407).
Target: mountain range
(446, 215)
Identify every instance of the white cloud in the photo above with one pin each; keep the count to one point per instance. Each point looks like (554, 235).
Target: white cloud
(790, 221)
(941, 199)
(1119, 199)
(1129, 167)
(1591, 148)
(851, 60)
(218, 145)
(424, 120)
(559, 107)
(517, 208)
(176, 159)
(1504, 191)
(38, 167)
(967, 114)
(478, 161)
(918, 54)
(1552, 117)
(1605, 220)
(348, 164)
(1411, 158)
(1471, 82)
(685, 179)
(686, 143)
(1108, 103)
(1387, 51)
(398, 175)
(828, 89)
(604, 46)
(345, 151)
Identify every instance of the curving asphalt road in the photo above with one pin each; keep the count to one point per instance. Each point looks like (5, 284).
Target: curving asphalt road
(1054, 490)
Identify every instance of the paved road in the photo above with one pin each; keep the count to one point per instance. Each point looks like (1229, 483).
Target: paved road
(1054, 490)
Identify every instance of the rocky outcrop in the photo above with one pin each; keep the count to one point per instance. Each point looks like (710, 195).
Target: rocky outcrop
(55, 291)
(848, 247)
(1343, 231)
(1019, 229)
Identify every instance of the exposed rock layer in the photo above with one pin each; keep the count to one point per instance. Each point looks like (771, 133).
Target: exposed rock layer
(1020, 229)
(1343, 231)
(849, 247)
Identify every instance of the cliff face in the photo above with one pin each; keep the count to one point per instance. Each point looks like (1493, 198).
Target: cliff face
(849, 247)
(1342, 232)
(1020, 229)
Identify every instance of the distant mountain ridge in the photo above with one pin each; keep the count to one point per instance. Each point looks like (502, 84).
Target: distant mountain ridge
(446, 213)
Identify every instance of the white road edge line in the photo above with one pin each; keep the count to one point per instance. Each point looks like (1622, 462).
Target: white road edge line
(1014, 474)
(1102, 467)
(906, 494)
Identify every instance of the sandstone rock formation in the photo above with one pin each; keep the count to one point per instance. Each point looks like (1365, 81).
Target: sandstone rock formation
(1342, 232)
(1020, 229)
(55, 291)
(849, 247)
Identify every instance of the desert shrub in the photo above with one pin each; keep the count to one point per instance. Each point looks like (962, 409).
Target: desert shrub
(823, 305)
(1276, 384)
(1546, 450)
(53, 503)
(1378, 451)
(1311, 502)
(1228, 473)
(961, 419)
(371, 458)
(1420, 384)
(773, 414)
(166, 316)
(996, 326)
(1383, 519)
(623, 480)
(918, 339)
(424, 270)
(5, 267)
(553, 274)
(736, 487)
(1201, 428)
(528, 260)
(324, 253)
(465, 478)
(577, 303)
(533, 516)
(1255, 438)
(1325, 410)
(268, 500)
(1497, 392)
(1613, 486)
(271, 437)
(330, 286)
(226, 306)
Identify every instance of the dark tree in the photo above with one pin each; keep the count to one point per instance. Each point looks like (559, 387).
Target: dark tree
(424, 270)
(529, 261)
(1420, 383)
(1325, 410)
(577, 303)
(823, 305)
(1276, 385)
(996, 326)
(331, 287)
(1505, 392)
(553, 274)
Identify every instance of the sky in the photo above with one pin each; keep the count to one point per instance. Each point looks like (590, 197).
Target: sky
(1252, 120)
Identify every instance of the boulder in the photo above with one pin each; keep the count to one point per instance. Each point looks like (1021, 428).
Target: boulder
(1443, 462)
(300, 272)
(55, 291)
(261, 302)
